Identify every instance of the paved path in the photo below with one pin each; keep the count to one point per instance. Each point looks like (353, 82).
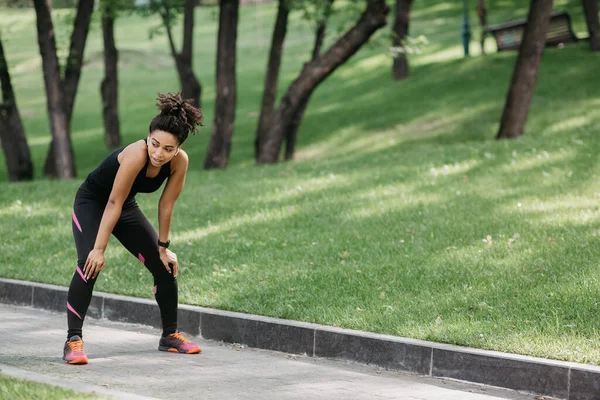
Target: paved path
(125, 363)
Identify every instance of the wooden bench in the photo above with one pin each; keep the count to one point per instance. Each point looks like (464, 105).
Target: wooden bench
(508, 35)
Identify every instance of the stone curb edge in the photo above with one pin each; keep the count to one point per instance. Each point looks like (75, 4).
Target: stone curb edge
(545, 377)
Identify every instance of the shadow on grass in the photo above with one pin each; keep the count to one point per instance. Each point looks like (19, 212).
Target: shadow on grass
(426, 257)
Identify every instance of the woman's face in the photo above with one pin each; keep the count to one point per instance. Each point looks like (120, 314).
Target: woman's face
(162, 147)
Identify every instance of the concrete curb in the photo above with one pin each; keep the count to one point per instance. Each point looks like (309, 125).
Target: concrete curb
(545, 377)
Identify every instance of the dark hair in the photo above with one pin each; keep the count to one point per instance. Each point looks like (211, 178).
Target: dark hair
(177, 116)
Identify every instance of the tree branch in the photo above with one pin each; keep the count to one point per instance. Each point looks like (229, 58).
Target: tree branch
(166, 17)
(85, 8)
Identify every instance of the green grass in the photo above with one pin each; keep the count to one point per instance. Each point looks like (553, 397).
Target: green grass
(19, 389)
(401, 215)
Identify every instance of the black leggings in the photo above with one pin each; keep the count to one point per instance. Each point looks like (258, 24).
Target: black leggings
(138, 236)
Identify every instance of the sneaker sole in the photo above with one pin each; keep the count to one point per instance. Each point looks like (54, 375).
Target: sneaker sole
(77, 361)
(176, 350)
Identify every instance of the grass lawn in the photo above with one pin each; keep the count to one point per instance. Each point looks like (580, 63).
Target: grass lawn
(401, 214)
(19, 389)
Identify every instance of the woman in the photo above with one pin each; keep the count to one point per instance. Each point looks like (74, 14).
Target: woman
(105, 203)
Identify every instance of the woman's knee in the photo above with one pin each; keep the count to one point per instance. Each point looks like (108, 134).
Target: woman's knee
(162, 275)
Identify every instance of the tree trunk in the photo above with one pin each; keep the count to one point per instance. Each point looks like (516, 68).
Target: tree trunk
(85, 8)
(482, 13)
(292, 132)
(272, 75)
(61, 150)
(317, 71)
(70, 82)
(190, 86)
(401, 22)
(590, 8)
(110, 84)
(222, 131)
(12, 134)
(524, 76)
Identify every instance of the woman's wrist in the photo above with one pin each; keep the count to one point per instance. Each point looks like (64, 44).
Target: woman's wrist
(164, 244)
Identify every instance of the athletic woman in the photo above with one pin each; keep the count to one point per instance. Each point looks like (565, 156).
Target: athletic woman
(105, 203)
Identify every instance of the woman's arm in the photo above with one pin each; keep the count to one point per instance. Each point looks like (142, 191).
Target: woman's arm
(172, 190)
(133, 159)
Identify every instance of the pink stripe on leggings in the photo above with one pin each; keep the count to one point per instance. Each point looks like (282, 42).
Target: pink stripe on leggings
(73, 310)
(141, 258)
(81, 274)
(76, 221)
(154, 289)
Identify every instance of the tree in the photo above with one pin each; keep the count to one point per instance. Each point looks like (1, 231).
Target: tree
(524, 76)
(267, 109)
(60, 93)
(12, 133)
(222, 130)
(292, 132)
(190, 86)
(590, 8)
(110, 84)
(482, 14)
(315, 72)
(400, 30)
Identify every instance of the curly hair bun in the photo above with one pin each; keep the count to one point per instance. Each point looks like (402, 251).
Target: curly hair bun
(174, 104)
(177, 115)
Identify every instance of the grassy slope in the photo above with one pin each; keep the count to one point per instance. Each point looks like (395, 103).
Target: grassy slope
(17, 389)
(402, 214)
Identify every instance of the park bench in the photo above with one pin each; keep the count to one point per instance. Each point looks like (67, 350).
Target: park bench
(508, 35)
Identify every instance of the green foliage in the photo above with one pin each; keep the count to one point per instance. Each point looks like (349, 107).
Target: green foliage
(15, 3)
(312, 10)
(117, 8)
(170, 12)
(56, 4)
(63, 21)
(346, 13)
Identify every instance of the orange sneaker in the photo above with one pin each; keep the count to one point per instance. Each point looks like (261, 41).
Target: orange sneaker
(73, 351)
(177, 343)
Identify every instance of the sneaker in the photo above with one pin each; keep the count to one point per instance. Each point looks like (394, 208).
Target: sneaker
(73, 351)
(177, 343)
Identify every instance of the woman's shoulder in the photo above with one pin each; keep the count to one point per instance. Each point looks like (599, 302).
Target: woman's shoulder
(136, 152)
(180, 161)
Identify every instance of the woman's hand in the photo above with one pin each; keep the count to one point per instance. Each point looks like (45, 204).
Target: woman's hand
(169, 260)
(94, 264)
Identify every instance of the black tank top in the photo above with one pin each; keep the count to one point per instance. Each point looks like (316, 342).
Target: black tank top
(100, 181)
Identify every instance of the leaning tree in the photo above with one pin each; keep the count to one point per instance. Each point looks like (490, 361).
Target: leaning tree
(315, 72)
(321, 16)
(267, 109)
(525, 73)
